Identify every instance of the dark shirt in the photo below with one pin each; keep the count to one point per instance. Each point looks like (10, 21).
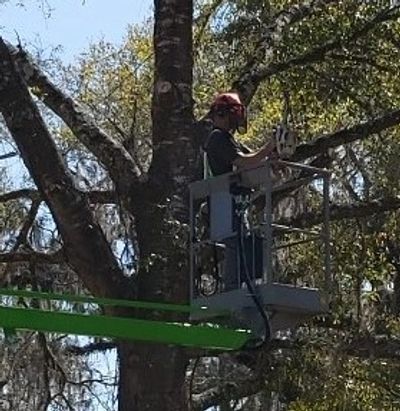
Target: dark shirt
(222, 150)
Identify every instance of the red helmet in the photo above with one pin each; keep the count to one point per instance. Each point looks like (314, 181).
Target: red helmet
(230, 103)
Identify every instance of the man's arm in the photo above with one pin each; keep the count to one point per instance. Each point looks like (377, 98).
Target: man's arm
(254, 159)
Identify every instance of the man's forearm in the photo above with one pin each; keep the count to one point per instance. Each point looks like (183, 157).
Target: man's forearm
(253, 159)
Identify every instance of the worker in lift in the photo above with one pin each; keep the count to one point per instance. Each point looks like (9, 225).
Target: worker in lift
(224, 155)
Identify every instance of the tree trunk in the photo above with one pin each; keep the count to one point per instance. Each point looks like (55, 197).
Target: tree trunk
(151, 376)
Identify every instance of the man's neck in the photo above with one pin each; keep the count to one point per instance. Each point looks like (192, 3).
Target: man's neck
(223, 129)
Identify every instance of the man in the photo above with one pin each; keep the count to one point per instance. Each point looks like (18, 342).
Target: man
(224, 155)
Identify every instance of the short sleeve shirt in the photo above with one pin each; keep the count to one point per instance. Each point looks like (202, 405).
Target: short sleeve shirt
(222, 150)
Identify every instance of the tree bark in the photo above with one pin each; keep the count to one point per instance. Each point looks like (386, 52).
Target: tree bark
(151, 376)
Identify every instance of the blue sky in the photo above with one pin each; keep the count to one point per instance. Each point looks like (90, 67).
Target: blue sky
(73, 24)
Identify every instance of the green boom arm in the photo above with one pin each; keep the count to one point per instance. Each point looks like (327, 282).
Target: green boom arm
(202, 336)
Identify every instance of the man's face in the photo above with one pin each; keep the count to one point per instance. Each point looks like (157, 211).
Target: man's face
(231, 119)
(224, 121)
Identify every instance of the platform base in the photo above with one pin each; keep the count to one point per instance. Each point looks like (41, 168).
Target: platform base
(286, 305)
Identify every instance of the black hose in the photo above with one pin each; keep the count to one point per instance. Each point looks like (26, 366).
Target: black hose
(250, 287)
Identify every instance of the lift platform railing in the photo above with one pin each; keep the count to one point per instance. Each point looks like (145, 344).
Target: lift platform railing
(260, 181)
(321, 235)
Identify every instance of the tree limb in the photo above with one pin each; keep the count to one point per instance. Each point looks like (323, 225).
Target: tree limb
(111, 153)
(86, 247)
(320, 147)
(346, 135)
(319, 53)
(203, 20)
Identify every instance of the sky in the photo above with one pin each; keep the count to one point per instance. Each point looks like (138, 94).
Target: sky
(72, 24)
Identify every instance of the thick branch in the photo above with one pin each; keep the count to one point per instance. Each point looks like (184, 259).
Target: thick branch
(86, 247)
(346, 136)
(320, 146)
(110, 152)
